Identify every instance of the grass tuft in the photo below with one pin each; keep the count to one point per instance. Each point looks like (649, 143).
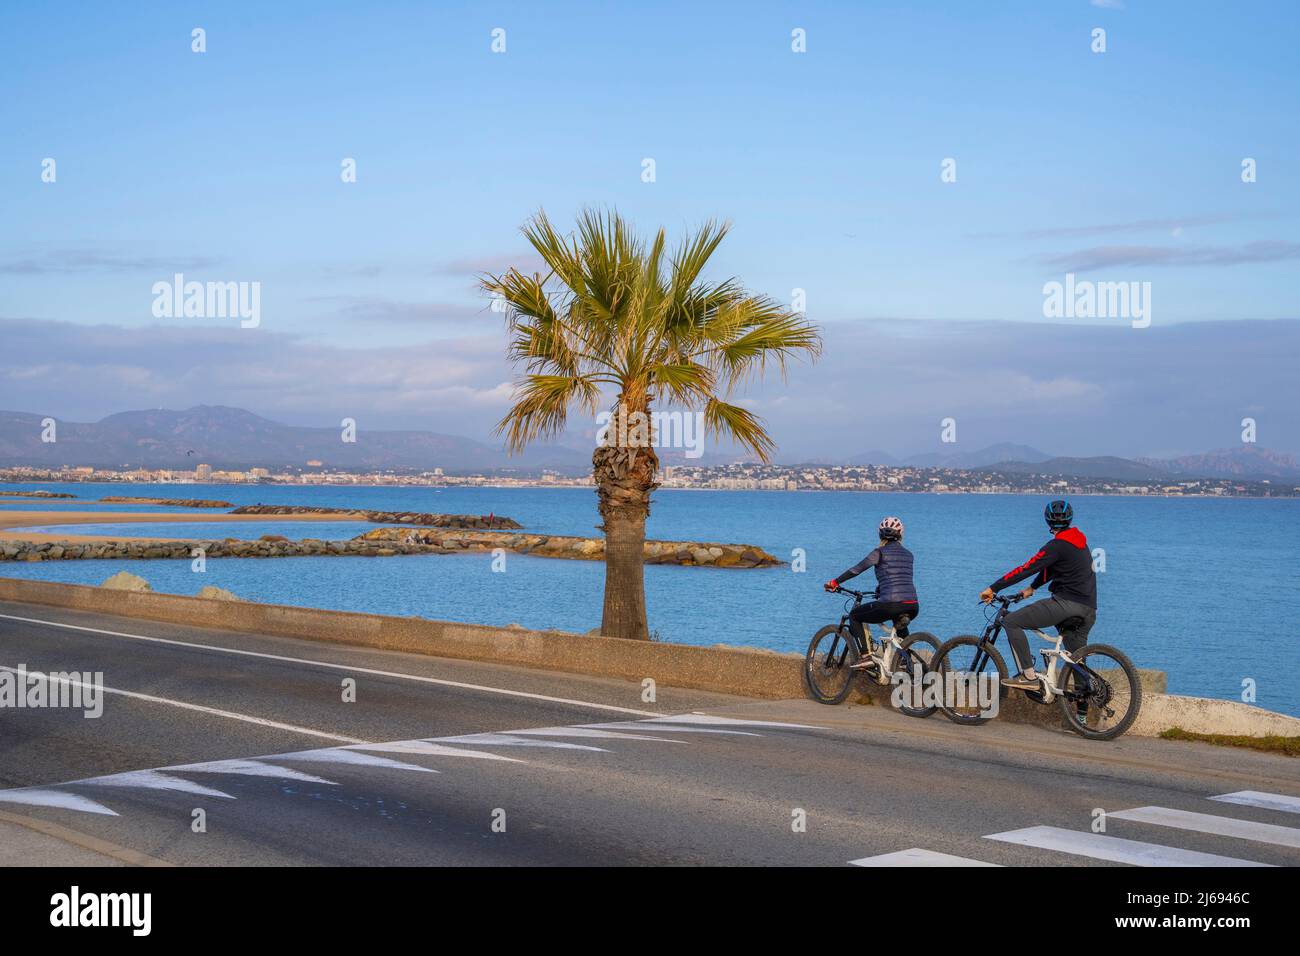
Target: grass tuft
(1290, 746)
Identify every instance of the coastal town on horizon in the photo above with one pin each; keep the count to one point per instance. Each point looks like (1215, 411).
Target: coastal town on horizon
(739, 476)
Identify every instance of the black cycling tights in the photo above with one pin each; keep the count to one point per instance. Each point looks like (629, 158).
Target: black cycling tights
(878, 612)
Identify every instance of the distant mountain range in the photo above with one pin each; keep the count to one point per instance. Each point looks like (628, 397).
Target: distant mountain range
(232, 438)
(1247, 463)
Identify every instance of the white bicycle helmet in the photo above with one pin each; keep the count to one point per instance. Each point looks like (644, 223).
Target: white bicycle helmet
(891, 529)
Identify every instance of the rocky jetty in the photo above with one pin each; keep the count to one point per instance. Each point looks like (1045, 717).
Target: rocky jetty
(273, 546)
(178, 502)
(685, 553)
(424, 519)
(36, 494)
(385, 542)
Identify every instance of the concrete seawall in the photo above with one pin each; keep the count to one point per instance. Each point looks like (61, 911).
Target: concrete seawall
(742, 671)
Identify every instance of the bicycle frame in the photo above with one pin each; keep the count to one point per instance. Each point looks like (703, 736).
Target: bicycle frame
(1054, 660)
(889, 643)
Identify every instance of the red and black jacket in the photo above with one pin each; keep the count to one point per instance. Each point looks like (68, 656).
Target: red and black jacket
(1064, 564)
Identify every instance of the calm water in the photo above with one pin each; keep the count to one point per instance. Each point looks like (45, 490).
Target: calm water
(1205, 589)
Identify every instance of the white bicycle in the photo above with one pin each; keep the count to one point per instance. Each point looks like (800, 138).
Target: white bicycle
(1096, 686)
(835, 656)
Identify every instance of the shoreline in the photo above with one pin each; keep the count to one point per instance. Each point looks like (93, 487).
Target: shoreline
(14, 521)
(553, 487)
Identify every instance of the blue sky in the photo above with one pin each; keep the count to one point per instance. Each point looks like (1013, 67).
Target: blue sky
(1121, 166)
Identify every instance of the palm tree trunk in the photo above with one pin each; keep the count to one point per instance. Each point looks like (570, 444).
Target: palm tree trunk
(624, 471)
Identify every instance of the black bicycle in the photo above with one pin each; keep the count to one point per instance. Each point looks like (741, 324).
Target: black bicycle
(1096, 686)
(835, 656)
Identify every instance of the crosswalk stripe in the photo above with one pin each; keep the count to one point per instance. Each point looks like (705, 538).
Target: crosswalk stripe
(1113, 849)
(1257, 798)
(918, 857)
(1209, 823)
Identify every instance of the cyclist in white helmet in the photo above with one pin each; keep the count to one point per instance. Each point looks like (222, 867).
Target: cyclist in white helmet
(896, 594)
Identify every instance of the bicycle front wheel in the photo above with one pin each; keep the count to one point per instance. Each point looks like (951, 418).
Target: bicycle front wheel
(1100, 692)
(914, 660)
(827, 668)
(967, 667)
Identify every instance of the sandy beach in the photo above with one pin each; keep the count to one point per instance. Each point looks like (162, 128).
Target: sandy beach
(12, 521)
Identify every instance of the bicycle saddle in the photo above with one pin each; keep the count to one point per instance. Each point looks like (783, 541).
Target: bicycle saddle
(1070, 624)
(903, 620)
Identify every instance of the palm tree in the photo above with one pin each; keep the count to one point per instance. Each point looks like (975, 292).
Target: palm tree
(615, 316)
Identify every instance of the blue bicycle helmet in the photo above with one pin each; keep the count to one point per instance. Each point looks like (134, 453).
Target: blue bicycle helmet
(1058, 514)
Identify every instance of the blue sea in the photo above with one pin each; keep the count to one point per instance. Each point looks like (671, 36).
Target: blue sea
(1205, 589)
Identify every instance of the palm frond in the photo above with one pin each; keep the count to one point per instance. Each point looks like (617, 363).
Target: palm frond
(741, 425)
(616, 312)
(541, 406)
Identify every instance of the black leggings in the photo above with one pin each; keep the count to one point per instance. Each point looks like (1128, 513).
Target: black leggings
(878, 612)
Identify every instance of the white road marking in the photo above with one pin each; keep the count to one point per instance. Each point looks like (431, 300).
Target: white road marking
(505, 740)
(708, 719)
(917, 857)
(251, 768)
(1209, 823)
(1257, 798)
(429, 749)
(216, 712)
(343, 667)
(153, 780)
(584, 732)
(339, 755)
(662, 728)
(57, 799)
(1114, 849)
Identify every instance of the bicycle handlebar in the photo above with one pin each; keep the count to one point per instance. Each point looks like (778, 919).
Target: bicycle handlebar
(857, 594)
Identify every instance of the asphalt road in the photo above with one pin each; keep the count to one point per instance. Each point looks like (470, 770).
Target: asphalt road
(456, 763)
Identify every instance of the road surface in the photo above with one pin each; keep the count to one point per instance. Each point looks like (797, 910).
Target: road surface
(236, 749)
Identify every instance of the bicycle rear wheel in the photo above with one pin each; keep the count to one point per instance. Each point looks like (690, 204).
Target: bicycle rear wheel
(965, 664)
(914, 659)
(1101, 693)
(827, 666)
